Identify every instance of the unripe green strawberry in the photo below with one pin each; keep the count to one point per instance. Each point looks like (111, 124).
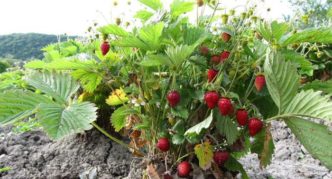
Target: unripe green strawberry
(254, 125)
(184, 169)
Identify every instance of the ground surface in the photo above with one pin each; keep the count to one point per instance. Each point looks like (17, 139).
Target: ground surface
(33, 155)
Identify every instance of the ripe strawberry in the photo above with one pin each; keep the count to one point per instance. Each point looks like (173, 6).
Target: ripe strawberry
(167, 176)
(224, 55)
(173, 98)
(220, 157)
(225, 36)
(260, 82)
(242, 117)
(163, 144)
(225, 106)
(211, 99)
(184, 169)
(255, 125)
(211, 74)
(204, 50)
(104, 47)
(215, 59)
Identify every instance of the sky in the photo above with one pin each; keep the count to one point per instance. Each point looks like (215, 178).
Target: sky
(73, 17)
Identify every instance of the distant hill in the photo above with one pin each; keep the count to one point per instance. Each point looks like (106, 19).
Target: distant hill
(26, 46)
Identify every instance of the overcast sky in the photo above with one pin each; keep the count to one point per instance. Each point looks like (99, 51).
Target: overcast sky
(74, 16)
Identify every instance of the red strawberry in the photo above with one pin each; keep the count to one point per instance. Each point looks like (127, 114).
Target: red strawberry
(224, 55)
(184, 169)
(211, 74)
(220, 157)
(242, 117)
(104, 47)
(260, 82)
(167, 176)
(255, 125)
(225, 106)
(211, 99)
(204, 50)
(225, 36)
(215, 59)
(163, 144)
(173, 98)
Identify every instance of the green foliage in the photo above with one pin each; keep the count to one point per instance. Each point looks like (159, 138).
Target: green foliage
(89, 79)
(227, 128)
(316, 138)
(305, 65)
(119, 117)
(5, 169)
(317, 85)
(179, 7)
(26, 46)
(59, 86)
(196, 130)
(233, 165)
(113, 29)
(143, 15)
(11, 80)
(282, 80)
(310, 104)
(153, 4)
(59, 118)
(18, 105)
(264, 147)
(321, 35)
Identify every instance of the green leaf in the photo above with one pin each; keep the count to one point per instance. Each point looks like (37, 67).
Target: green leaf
(143, 15)
(195, 130)
(59, 120)
(316, 138)
(155, 60)
(179, 53)
(17, 105)
(310, 104)
(179, 128)
(233, 165)
(153, 4)
(329, 13)
(317, 85)
(131, 41)
(113, 29)
(193, 34)
(151, 34)
(119, 117)
(282, 80)
(89, 79)
(228, 128)
(60, 86)
(279, 29)
(304, 64)
(60, 64)
(264, 146)
(179, 7)
(320, 35)
(204, 153)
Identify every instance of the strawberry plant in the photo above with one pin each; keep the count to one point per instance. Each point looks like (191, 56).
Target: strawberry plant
(183, 95)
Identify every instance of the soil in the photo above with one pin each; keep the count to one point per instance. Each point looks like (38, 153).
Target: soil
(92, 155)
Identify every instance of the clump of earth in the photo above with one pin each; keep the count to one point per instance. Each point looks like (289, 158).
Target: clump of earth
(92, 155)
